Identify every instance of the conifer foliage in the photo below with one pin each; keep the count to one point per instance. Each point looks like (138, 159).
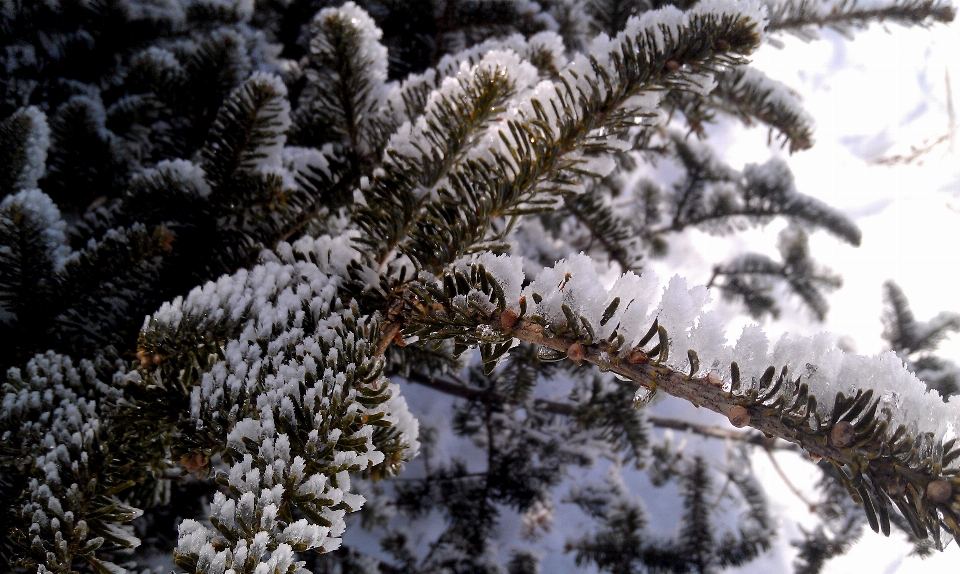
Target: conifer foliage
(230, 230)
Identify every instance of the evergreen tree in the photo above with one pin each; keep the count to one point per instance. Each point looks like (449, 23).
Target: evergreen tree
(229, 231)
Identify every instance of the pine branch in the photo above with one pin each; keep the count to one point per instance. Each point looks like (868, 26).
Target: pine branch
(718, 199)
(594, 101)
(799, 17)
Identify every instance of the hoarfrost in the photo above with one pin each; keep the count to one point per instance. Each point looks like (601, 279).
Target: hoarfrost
(43, 213)
(36, 144)
(816, 360)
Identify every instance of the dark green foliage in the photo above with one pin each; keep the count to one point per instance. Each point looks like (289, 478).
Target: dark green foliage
(53, 298)
(55, 51)
(85, 161)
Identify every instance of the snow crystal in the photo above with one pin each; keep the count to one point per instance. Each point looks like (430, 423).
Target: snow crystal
(507, 270)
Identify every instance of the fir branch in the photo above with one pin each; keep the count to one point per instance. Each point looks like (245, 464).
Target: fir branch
(610, 16)
(904, 332)
(915, 341)
(750, 278)
(85, 160)
(884, 466)
(718, 199)
(422, 156)
(799, 17)
(66, 508)
(841, 527)
(215, 67)
(696, 537)
(346, 71)
(24, 139)
(750, 95)
(542, 152)
(33, 249)
(249, 131)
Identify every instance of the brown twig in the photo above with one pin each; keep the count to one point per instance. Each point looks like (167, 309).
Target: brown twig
(776, 466)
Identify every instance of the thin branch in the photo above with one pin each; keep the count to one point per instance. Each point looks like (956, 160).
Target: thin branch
(783, 476)
(920, 12)
(460, 389)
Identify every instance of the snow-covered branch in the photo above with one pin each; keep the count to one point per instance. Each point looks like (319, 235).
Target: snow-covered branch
(867, 414)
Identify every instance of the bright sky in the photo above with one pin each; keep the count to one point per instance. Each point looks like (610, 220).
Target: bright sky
(872, 97)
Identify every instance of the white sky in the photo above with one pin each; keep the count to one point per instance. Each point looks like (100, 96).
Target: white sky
(875, 96)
